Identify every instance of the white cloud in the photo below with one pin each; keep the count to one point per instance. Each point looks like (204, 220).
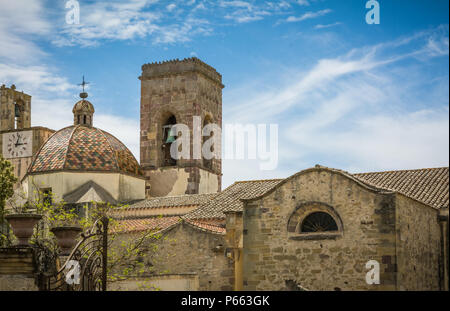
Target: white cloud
(110, 20)
(303, 2)
(366, 110)
(171, 7)
(34, 79)
(21, 22)
(308, 15)
(239, 4)
(53, 98)
(125, 129)
(138, 19)
(321, 26)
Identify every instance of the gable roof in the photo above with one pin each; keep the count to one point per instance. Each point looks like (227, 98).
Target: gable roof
(89, 191)
(230, 198)
(428, 185)
(141, 216)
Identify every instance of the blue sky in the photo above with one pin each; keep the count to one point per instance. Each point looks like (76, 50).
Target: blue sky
(345, 94)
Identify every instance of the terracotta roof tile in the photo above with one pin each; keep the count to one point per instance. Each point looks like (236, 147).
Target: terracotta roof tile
(155, 224)
(210, 225)
(428, 185)
(52, 154)
(174, 201)
(230, 198)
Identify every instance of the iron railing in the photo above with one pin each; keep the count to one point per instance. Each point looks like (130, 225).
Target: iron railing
(85, 269)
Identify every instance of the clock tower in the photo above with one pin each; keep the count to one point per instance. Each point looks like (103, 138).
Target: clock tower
(19, 141)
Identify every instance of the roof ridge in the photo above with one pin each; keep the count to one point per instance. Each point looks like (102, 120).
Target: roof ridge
(143, 217)
(113, 151)
(181, 195)
(257, 180)
(133, 208)
(404, 170)
(68, 144)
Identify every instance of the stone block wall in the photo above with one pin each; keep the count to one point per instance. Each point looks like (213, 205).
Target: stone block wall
(418, 245)
(274, 258)
(187, 250)
(8, 98)
(183, 89)
(17, 269)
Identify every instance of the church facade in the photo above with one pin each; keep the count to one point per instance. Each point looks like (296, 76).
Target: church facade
(320, 229)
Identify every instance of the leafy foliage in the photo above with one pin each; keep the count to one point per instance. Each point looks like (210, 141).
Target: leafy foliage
(129, 256)
(7, 180)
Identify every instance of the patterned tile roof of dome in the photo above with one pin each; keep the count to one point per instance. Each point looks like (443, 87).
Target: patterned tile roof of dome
(83, 106)
(83, 148)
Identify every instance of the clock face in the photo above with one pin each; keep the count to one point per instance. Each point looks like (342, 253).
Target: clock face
(17, 144)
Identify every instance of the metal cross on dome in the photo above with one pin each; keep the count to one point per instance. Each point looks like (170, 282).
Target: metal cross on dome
(83, 83)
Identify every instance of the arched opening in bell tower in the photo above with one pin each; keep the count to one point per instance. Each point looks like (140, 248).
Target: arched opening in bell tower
(168, 138)
(207, 163)
(18, 109)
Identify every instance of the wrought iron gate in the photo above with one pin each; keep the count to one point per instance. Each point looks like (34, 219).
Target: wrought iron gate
(85, 268)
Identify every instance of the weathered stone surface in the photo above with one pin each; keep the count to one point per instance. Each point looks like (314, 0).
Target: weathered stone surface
(187, 250)
(17, 269)
(400, 233)
(182, 89)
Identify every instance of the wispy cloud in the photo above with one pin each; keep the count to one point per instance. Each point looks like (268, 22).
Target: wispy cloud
(374, 108)
(163, 24)
(303, 2)
(308, 15)
(321, 26)
(21, 22)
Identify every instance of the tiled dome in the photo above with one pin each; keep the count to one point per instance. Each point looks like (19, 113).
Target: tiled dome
(83, 148)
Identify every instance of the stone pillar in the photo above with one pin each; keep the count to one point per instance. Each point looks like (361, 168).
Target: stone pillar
(234, 226)
(17, 269)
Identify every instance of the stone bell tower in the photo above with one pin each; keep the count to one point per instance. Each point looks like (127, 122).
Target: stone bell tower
(15, 109)
(173, 92)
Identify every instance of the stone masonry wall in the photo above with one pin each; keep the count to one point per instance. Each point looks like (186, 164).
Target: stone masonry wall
(418, 245)
(9, 96)
(275, 258)
(17, 269)
(183, 89)
(186, 250)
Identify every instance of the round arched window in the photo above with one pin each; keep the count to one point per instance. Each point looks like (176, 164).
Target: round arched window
(318, 222)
